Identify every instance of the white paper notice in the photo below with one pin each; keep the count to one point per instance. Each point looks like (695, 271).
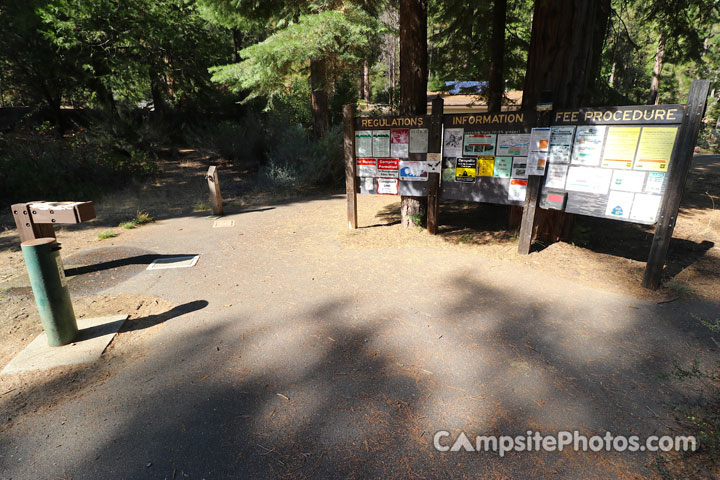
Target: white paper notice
(434, 162)
(619, 204)
(366, 167)
(453, 142)
(381, 143)
(418, 140)
(655, 182)
(540, 140)
(369, 184)
(588, 179)
(399, 139)
(536, 163)
(363, 143)
(517, 189)
(561, 141)
(387, 186)
(515, 144)
(645, 207)
(413, 171)
(557, 174)
(627, 181)
(588, 145)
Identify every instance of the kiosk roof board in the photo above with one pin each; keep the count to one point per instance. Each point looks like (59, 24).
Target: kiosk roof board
(498, 144)
(616, 160)
(397, 146)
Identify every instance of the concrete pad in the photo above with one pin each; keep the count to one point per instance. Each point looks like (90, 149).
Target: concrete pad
(225, 222)
(174, 262)
(94, 336)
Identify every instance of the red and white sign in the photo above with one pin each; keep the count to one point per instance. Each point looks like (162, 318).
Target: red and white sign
(387, 186)
(388, 167)
(366, 167)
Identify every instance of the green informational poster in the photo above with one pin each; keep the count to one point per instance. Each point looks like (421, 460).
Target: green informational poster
(503, 166)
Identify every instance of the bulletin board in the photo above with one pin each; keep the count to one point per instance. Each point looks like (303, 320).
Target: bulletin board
(391, 155)
(611, 162)
(485, 157)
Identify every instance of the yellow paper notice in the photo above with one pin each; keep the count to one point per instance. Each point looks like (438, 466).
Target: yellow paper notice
(485, 166)
(620, 146)
(655, 149)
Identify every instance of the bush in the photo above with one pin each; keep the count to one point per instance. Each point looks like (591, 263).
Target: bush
(38, 164)
(295, 161)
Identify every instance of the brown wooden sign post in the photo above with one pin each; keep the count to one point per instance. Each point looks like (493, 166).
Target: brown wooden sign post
(214, 187)
(37, 219)
(350, 179)
(681, 162)
(435, 146)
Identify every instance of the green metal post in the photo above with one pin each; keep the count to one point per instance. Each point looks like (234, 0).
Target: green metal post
(47, 277)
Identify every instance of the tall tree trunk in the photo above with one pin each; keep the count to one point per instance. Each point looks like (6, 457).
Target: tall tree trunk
(318, 85)
(565, 47)
(657, 70)
(564, 59)
(413, 82)
(496, 86)
(237, 37)
(156, 90)
(366, 81)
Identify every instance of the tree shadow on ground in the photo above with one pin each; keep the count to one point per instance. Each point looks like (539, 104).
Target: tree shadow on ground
(328, 391)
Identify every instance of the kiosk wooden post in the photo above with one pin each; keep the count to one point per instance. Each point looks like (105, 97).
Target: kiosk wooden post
(680, 162)
(534, 185)
(435, 146)
(350, 179)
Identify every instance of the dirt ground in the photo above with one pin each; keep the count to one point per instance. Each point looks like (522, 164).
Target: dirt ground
(604, 256)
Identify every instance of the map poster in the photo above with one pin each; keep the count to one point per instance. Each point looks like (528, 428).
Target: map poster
(503, 167)
(453, 142)
(655, 148)
(465, 170)
(366, 167)
(655, 182)
(556, 176)
(588, 180)
(627, 181)
(561, 142)
(485, 166)
(536, 163)
(413, 171)
(645, 207)
(517, 189)
(540, 140)
(399, 139)
(513, 144)
(588, 145)
(434, 162)
(363, 143)
(388, 167)
(448, 171)
(519, 167)
(381, 143)
(418, 140)
(479, 144)
(619, 204)
(387, 186)
(620, 146)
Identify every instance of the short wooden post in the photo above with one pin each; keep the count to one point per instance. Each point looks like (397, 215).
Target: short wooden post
(26, 226)
(350, 179)
(532, 195)
(435, 146)
(680, 164)
(215, 195)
